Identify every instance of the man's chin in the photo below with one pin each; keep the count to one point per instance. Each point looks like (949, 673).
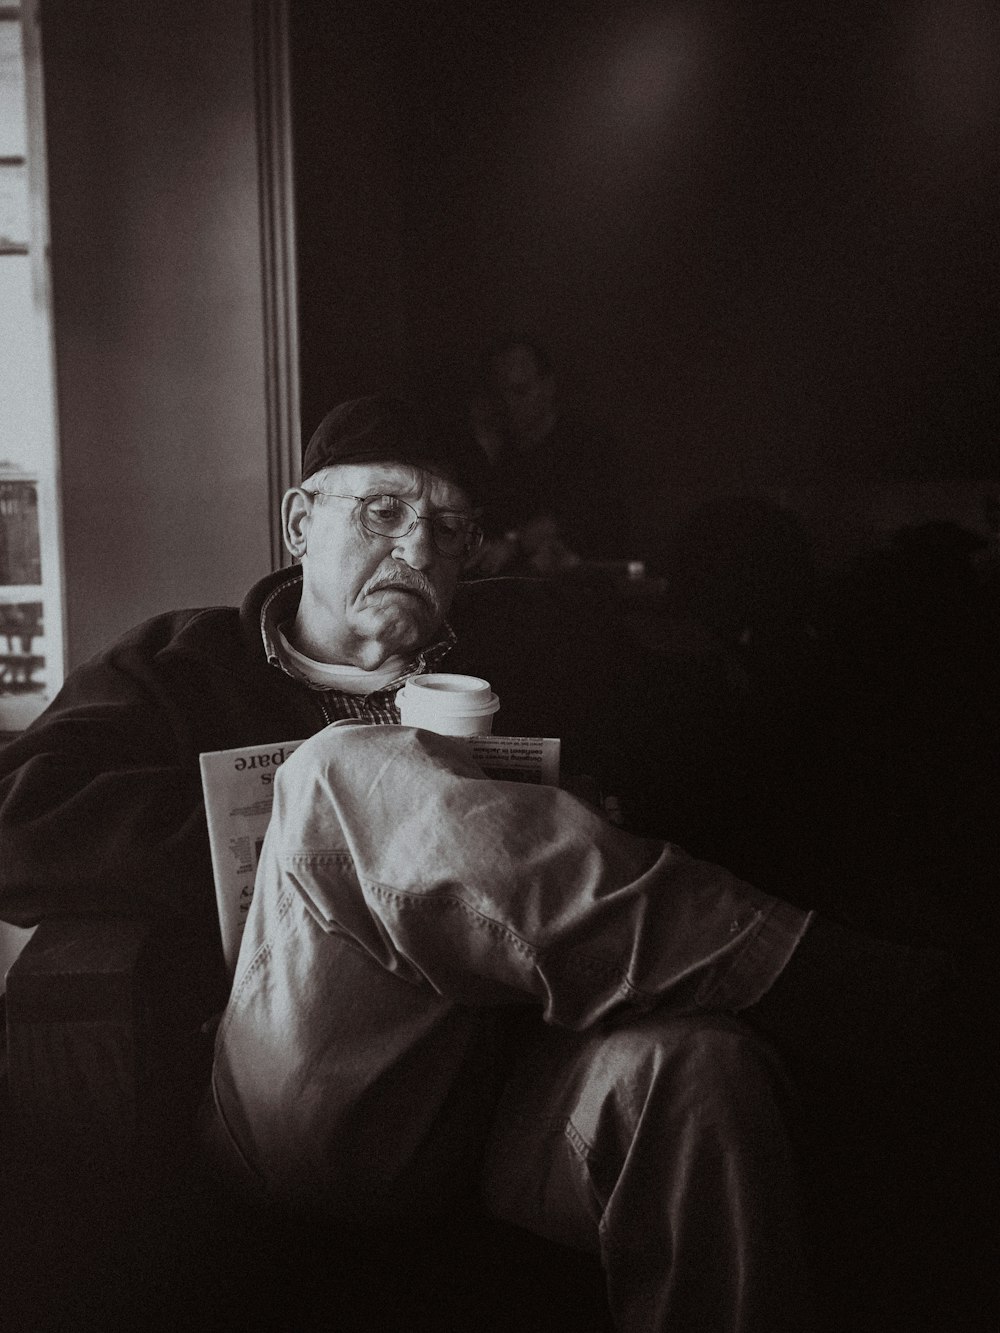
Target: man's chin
(402, 629)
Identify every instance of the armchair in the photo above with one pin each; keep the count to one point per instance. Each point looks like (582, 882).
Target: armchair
(105, 1069)
(100, 1075)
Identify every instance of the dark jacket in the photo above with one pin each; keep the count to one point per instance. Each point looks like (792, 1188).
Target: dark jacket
(100, 799)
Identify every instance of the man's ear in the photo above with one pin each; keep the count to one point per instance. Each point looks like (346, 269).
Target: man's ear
(296, 512)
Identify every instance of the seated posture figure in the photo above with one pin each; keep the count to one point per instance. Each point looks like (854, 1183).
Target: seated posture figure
(556, 496)
(448, 985)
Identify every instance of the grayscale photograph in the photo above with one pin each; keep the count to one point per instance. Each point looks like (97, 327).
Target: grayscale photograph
(499, 644)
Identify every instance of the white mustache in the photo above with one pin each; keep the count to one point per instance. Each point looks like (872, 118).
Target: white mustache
(402, 576)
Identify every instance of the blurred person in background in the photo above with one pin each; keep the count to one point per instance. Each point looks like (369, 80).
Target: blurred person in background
(555, 501)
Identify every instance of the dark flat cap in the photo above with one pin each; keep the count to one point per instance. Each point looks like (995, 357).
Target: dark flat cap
(386, 429)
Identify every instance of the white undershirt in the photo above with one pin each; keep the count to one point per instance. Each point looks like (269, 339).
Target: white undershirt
(329, 676)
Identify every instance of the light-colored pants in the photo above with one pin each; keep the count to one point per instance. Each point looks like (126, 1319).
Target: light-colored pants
(406, 908)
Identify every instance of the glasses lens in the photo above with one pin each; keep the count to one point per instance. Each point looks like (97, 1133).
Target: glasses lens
(452, 533)
(387, 515)
(455, 535)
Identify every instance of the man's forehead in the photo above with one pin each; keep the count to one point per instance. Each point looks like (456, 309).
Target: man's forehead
(403, 479)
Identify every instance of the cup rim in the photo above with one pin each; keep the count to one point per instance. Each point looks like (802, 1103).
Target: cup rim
(434, 683)
(464, 708)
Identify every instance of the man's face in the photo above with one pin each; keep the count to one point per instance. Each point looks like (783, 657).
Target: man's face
(367, 598)
(525, 393)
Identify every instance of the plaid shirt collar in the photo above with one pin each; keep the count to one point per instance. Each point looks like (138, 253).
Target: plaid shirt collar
(280, 605)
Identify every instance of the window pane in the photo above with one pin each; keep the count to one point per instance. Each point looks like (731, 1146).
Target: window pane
(31, 652)
(13, 120)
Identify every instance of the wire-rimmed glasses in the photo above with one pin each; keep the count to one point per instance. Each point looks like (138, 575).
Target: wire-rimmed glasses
(456, 535)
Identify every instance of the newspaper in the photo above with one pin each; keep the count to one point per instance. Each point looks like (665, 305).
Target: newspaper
(239, 790)
(518, 758)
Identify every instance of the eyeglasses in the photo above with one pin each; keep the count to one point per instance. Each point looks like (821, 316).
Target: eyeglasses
(455, 535)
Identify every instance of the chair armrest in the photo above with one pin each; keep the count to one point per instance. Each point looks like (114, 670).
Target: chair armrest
(74, 1040)
(96, 1056)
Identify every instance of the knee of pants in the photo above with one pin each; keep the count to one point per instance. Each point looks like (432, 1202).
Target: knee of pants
(663, 1077)
(654, 1090)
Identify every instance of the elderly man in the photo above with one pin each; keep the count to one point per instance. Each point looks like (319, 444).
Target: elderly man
(447, 984)
(101, 806)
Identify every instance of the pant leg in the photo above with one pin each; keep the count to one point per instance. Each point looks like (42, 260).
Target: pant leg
(486, 892)
(401, 897)
(661, 1145)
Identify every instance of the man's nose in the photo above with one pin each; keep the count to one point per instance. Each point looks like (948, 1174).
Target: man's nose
(417, 547)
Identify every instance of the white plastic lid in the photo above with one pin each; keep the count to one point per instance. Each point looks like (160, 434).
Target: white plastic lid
(447, 693)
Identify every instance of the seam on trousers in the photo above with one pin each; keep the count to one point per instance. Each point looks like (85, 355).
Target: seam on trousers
(253, 968)
(247, 976)
(768, 923)
(584, 1150)
(581, 1146)
(242, 1162)
(720, 983)
(404, 898)
(340, 855)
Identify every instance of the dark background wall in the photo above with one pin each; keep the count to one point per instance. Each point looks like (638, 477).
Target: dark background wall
(760, 240)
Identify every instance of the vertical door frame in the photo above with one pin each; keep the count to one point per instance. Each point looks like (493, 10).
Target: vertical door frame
(278, 265)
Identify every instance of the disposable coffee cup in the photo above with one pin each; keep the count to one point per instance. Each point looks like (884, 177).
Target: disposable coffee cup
(450, 704)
